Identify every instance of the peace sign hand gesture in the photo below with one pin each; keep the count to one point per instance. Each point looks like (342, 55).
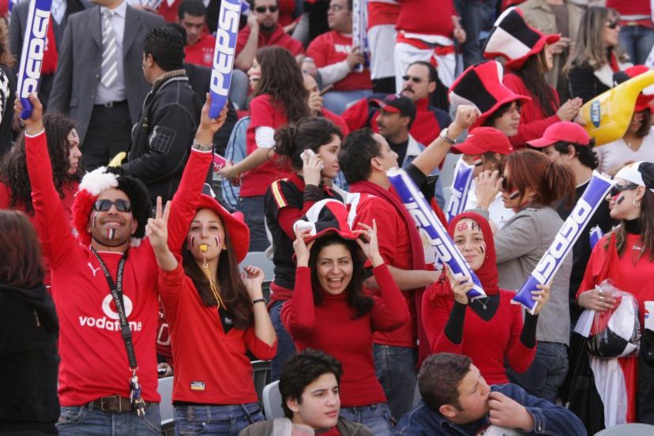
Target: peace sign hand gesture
(157, 232)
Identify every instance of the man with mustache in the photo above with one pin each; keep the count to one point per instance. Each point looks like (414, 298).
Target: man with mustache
(104, 285)
(418, 83)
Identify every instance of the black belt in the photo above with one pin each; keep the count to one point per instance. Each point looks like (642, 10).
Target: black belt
(115, 403)
(111, 104)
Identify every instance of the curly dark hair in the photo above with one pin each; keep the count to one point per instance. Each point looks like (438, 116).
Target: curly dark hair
(13, 167)
(281, 78)
(360, 303)
(232, 289)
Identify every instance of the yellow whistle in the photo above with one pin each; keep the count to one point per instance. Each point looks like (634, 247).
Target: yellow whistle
(203, 248)
(609, 114)
(117, 160)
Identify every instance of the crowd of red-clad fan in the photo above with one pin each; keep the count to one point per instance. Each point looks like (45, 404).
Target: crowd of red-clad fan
(138, 232)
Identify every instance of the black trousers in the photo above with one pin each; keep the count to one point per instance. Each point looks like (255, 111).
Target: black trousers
(108, 134)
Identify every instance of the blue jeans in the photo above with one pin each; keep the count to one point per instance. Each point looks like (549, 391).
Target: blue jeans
(377, 417)
(547, 372)
(396, 371)
(216, 420)
(255, 218)
(637, 41)
(88, 421)
(285, 346)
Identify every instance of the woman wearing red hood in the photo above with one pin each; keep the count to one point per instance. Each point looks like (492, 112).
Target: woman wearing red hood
(456, 325)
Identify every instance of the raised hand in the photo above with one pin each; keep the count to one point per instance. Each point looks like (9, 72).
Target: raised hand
(466, 115)
(569, 110)
(312, 166)
(252, 278)
(460, 287)
(487, 185)
(302, 251)
(157, 227)
(370, 244)
(209, 126)
(542, 296)
(34, 124)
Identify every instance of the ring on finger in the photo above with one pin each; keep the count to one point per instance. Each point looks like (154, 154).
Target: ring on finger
(601, 298)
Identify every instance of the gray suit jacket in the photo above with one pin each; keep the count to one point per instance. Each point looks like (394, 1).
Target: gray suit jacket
(17, 34)
(78, 71)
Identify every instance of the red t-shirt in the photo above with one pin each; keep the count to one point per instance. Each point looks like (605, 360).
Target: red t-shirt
(333, 47)
(330, 327)
(262, 114)
(93, 356)
(201, 53)
(276, 37)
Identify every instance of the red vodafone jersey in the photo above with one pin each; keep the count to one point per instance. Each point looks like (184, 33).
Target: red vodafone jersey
(333, 47)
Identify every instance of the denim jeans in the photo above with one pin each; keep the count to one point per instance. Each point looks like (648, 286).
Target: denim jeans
(255, 218)
(285, 346)
(377, 417)
(216, 420)
(396, 371)
(547, 372)
(88, 421)
(637, 41)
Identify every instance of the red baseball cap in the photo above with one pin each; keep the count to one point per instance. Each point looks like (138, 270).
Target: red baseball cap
(484, 140)
(565, 131)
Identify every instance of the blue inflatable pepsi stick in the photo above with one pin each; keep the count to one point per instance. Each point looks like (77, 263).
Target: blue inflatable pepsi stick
(564, 240)
(460, 189)
(595, 235)
(224, 54)
(432, 230)
(34, 46)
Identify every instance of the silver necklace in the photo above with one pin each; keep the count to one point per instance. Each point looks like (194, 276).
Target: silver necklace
(483, 305)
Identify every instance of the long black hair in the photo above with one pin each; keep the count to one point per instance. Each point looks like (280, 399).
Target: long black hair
(360, 303)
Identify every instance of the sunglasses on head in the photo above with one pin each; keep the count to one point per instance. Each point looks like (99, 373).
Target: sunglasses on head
(105, 205)
(616, 189)
(262, 9)
(414, 79)
(612, 24)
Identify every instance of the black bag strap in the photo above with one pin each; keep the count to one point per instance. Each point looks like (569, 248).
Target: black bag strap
(117, 294)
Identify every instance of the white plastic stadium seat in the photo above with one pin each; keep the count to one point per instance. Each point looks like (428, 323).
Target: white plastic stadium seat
(272, 401)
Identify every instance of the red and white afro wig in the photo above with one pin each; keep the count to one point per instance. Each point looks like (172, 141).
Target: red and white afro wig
(100, 180)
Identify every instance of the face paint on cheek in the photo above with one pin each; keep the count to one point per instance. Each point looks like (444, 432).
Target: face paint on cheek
(95, 215)
(514, 195)
(477, 162)
(620, 199)
(190, 241)
(482, 248)
(217, 238)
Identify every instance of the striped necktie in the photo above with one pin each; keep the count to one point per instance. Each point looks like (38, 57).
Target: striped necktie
(109, 49)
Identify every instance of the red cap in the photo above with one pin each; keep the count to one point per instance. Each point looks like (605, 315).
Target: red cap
(565, 131)
(484, 140)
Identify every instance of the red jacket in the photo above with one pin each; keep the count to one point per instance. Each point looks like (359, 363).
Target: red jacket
(276, 37)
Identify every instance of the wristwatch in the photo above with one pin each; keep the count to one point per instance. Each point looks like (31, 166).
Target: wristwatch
(443, 135)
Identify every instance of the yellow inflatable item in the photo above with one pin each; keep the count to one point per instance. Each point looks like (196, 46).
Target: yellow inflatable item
(117, 160)
(609, 114)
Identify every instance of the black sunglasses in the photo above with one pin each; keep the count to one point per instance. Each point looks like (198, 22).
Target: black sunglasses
(105, 205)
(613, 23)
(414, 79)
(616, 189)
(262, 9)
